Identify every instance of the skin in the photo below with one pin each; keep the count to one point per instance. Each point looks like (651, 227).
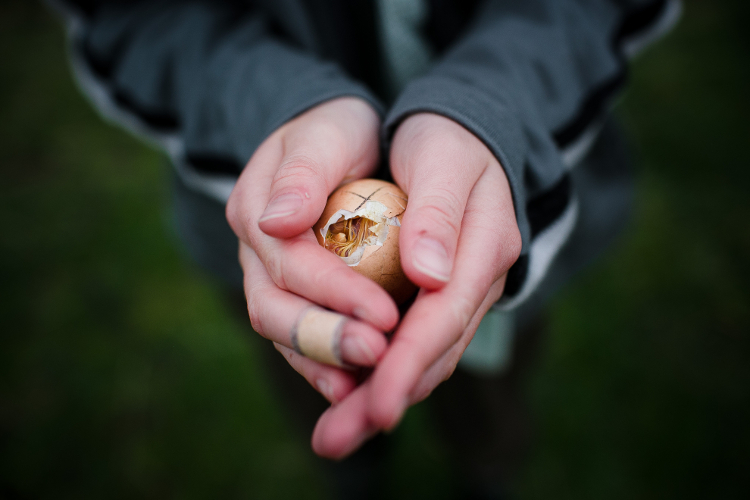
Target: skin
(458, 239)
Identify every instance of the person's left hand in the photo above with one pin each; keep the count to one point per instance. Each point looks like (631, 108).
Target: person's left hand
(458, 239)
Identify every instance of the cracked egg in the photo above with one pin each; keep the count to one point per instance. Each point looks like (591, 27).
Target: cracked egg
(360, 224)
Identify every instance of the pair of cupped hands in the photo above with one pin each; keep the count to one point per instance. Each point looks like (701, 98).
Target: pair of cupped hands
(458, 239)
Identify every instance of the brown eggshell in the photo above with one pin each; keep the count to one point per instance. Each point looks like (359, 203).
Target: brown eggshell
(381, 264)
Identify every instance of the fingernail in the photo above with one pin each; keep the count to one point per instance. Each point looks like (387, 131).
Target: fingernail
(281, 206)
(431, 258)
(325, 389)
(355, 350)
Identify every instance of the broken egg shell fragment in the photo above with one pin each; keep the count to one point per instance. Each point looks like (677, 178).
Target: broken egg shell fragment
(379, 260)
(376, 234)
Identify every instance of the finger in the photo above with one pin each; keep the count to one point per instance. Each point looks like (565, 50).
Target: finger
(438, 176)
(275, 315)
(489, 245)
(444, 367)
(334, 384)
(302, 266)
(299, 264)
(343, 428)
(340, 142)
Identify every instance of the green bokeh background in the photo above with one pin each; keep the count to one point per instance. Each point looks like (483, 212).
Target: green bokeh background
(123, 373)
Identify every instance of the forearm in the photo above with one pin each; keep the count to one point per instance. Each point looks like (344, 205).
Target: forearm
(533, 80)
(207, 81)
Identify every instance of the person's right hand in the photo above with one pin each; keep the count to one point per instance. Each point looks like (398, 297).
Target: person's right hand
(276, 201)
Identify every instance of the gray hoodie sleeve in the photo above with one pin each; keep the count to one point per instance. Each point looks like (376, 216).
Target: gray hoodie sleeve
(533, 80)
(207, 81)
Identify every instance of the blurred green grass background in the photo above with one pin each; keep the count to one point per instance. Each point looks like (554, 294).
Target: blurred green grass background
(123, 373)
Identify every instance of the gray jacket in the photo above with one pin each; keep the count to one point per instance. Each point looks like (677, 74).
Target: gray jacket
(209, 80)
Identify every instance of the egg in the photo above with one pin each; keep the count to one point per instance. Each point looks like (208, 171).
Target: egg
(360, 224)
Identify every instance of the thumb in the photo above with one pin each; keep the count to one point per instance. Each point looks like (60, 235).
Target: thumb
(438, 163)
(429, 233)
(318, 154)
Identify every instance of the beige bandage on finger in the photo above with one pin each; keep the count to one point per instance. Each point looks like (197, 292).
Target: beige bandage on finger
(317, 335)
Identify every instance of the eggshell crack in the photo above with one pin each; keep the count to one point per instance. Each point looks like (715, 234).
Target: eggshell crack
(374, 211)
(377, 257)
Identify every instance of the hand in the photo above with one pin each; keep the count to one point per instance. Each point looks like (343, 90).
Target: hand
(277, 199)
(458, 239)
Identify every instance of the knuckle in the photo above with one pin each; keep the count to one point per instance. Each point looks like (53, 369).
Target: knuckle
(275, 268)
(421, 392)
(443, 208)
(254, 310)
(291, 357)
(231, 209)
(253, 234)
(511, 248)
(514, 244)
(295, 167)
(452, 364)
(233, 212)
(463, 309)
(504, 242)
